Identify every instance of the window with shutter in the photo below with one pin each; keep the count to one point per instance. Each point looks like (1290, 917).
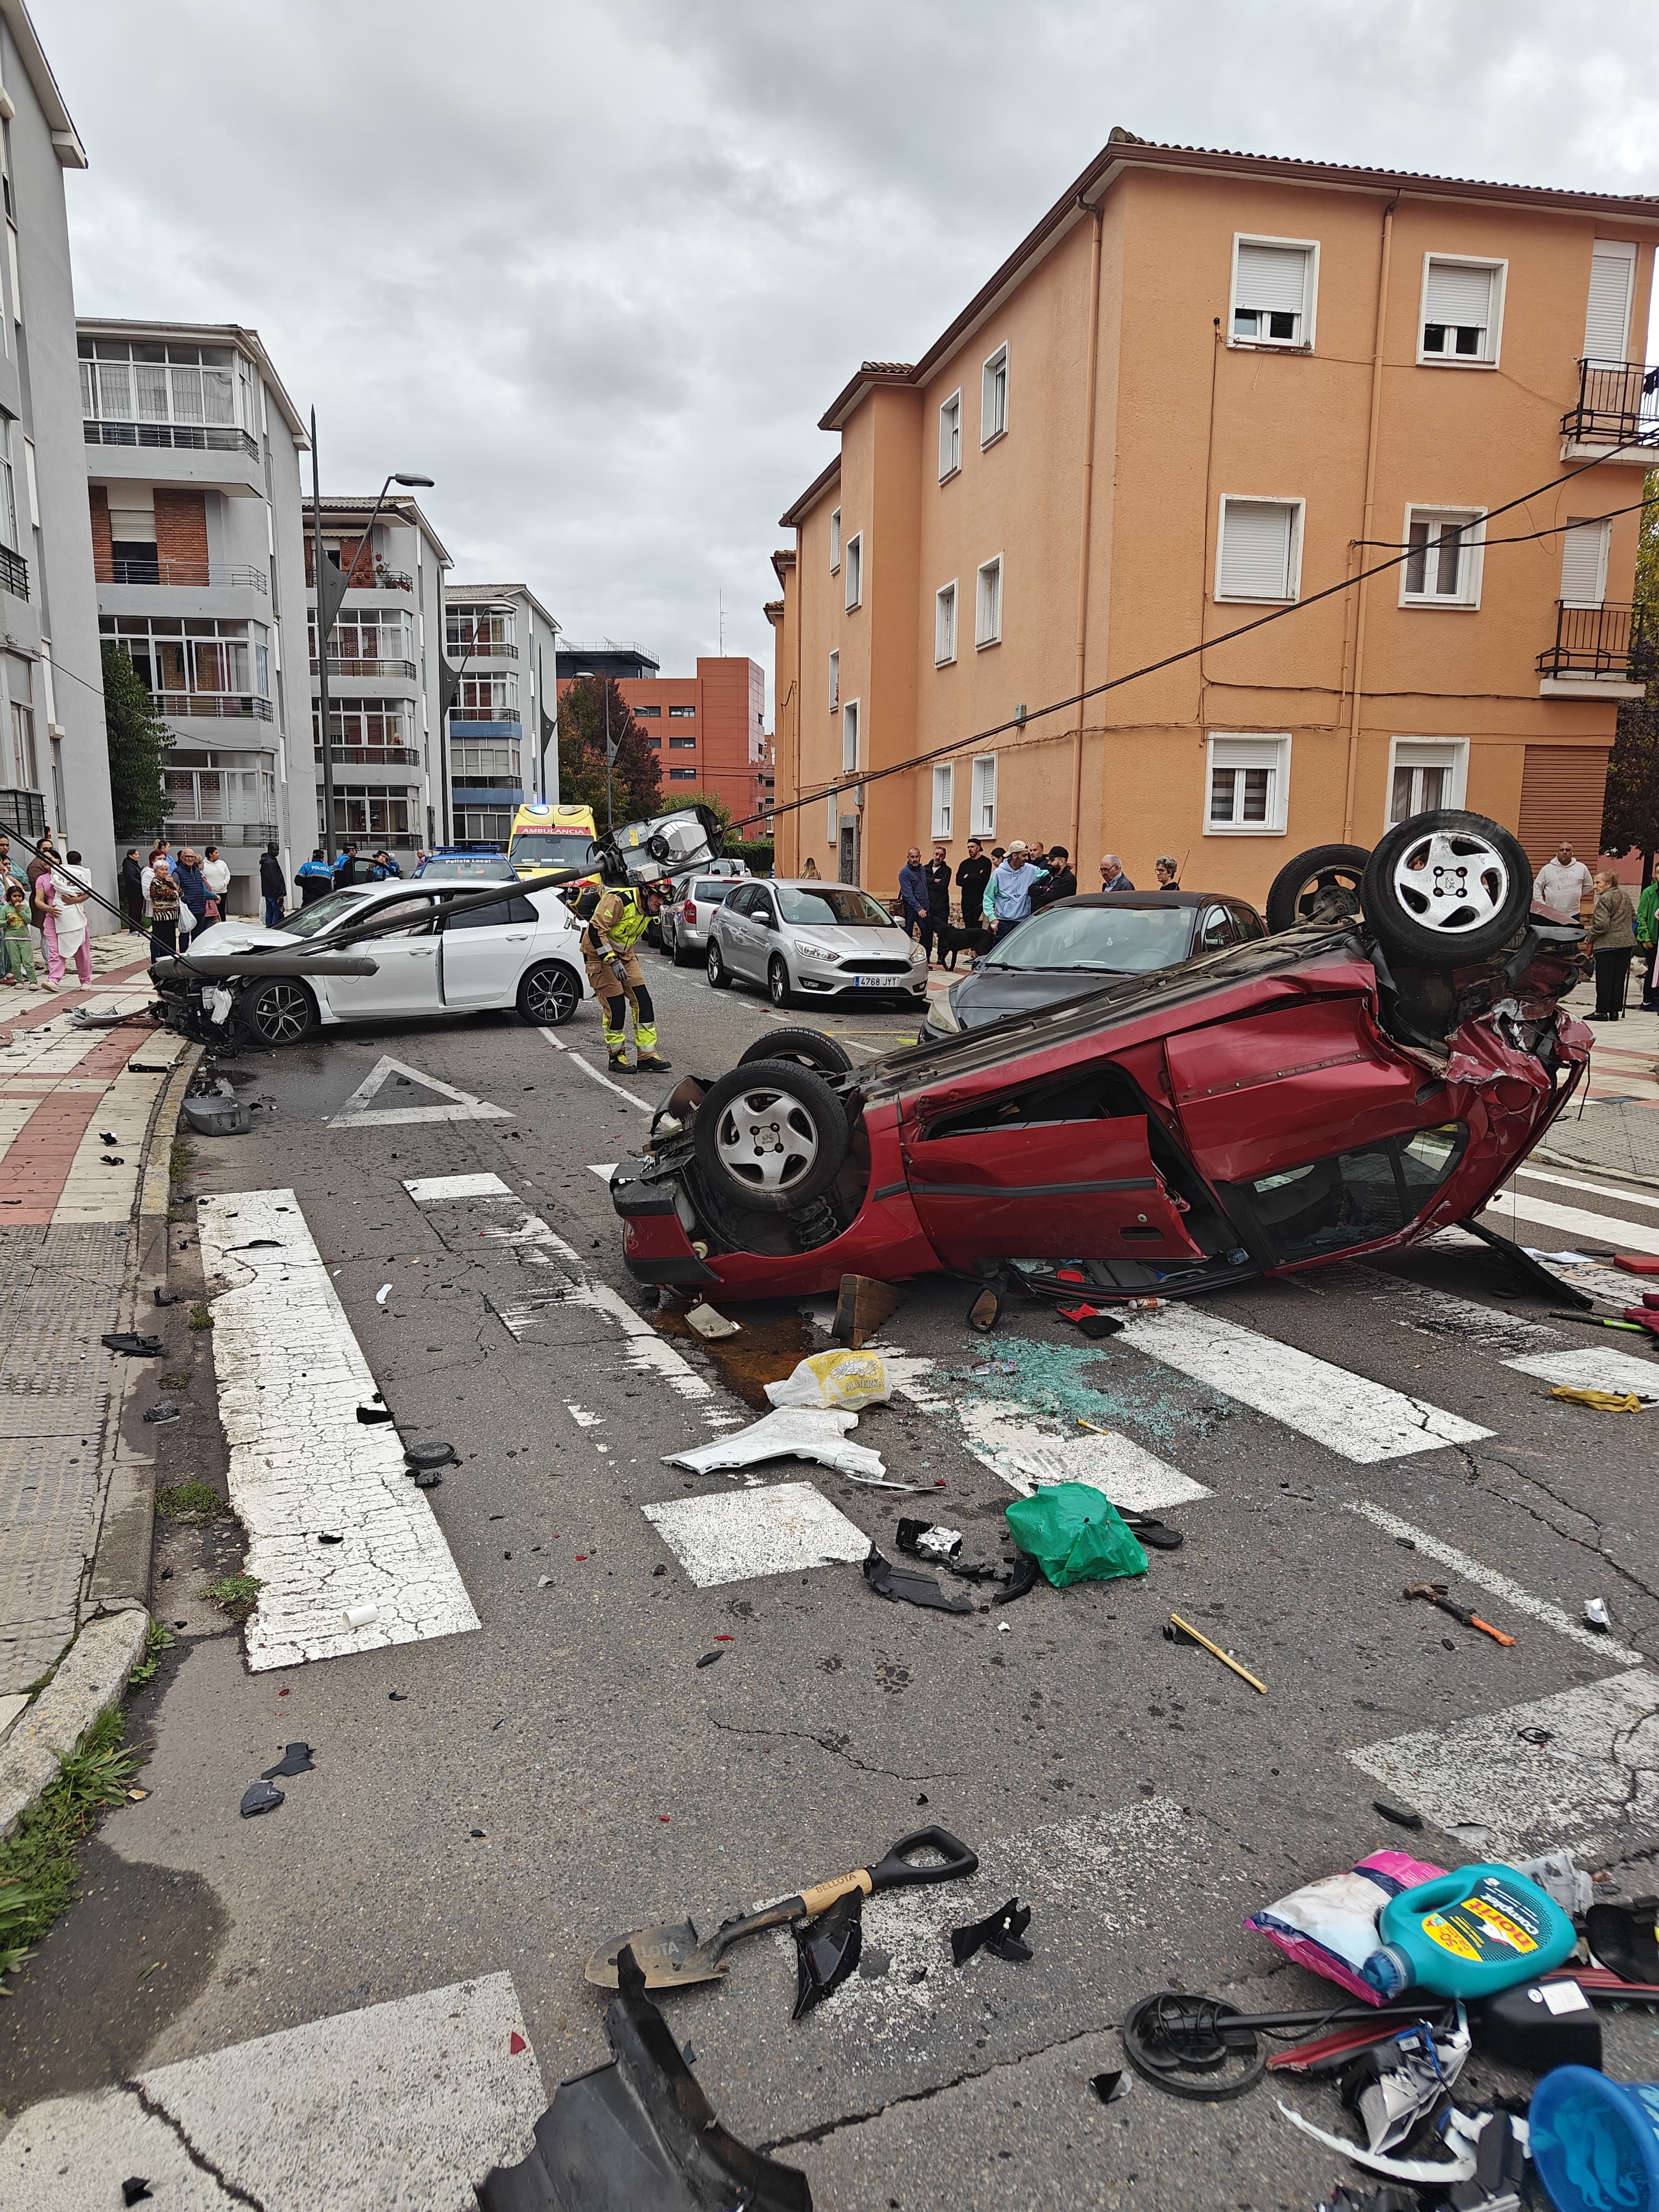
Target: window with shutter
(1443, 564)
(984, 822)
(1584, 563)
(1460, 310)
(944, 626)
(1607, 318)
(1273, 293)
(988, 604)
(1258, 556)
(1426, 774)
(950, 436)
(1249, 782)
(944, 793)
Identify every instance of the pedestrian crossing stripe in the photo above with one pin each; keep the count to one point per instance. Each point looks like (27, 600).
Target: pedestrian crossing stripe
(1580, 1767)
(463, 1106)
(1576, 1222)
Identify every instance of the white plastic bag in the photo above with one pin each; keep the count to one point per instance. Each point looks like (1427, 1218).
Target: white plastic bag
(850, 1380)
(805, 1432)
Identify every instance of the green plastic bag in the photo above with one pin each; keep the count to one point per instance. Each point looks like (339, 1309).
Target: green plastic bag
(1075, 1534)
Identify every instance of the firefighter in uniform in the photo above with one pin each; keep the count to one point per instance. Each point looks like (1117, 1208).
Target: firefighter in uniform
(615, 925)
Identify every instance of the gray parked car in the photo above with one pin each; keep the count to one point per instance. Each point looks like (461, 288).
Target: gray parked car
(802, 939)
(686, 917)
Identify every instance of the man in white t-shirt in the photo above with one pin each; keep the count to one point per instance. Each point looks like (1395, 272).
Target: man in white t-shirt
(1564, 884)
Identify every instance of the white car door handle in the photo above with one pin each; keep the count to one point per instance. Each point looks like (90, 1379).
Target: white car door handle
(518, 937)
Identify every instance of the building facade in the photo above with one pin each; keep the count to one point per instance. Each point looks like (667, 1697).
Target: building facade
(709, 729)
(501, 645)
(385, 679)
(54, 766)
(1207, 389)
(192, 486)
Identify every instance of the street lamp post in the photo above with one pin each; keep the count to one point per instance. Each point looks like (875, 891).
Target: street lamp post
(329, 597)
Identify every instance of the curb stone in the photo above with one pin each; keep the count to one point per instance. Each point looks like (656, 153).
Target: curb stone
(119, 1574)
(90, 1678)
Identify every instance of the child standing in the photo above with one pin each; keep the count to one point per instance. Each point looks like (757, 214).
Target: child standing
(14, 936)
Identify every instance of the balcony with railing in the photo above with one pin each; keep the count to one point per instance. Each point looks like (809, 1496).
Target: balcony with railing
(1602, 644)
(179, 832)
(14, 573)
(173, 437)
(404, 668)
(180, 575)
(1618, 405)
(502, 718)
(214, 706)
(369, 756)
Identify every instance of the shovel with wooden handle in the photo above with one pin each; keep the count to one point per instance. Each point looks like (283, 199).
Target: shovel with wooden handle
(671, 1957)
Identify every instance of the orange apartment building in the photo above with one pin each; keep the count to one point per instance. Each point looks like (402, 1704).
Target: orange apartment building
(1207, 387)
(708, 730)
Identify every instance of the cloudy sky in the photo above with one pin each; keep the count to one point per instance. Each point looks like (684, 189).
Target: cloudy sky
(598, 266)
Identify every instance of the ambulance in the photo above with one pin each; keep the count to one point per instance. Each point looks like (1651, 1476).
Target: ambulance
(553, 837)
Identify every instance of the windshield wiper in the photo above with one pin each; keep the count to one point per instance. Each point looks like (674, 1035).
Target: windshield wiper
(1062, 967)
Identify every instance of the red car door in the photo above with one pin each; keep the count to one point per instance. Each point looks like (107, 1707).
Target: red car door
(1084, 1189)
(1297, 1082)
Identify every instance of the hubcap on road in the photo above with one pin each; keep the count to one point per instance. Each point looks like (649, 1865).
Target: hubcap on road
(767, 1139)
(1451, 884)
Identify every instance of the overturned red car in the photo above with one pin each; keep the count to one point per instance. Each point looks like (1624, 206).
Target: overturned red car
(1368, 1075)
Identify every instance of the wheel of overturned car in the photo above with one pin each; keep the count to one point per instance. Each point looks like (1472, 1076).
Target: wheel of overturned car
(770, 1135)
(1446, 888)
(1320, 885)
(279, 1011)
(549, 995)
(777, 983)
(807, 1048)
(719, 976)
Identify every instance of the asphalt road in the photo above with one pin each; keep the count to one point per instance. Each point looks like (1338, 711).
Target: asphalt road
(501, 1799)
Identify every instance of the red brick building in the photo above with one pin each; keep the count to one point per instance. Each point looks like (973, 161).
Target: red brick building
(708, 730)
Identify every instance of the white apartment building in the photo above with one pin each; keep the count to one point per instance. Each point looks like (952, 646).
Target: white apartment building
(54, 768)
(385, 679)
(192, 462)
(502, 648)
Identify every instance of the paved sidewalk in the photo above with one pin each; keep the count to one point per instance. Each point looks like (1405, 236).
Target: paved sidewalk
(68, 1225)
(1614, 1124)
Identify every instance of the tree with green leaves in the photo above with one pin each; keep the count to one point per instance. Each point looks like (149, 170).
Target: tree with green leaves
(139, 742)
(1630, 817)
(635, 778)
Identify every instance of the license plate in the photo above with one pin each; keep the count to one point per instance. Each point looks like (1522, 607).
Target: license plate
(870, 983)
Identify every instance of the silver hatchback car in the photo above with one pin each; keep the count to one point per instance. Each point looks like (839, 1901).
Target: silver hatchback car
(800, 939)
(686, 917)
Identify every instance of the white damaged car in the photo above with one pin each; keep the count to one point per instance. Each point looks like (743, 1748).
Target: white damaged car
(407, 951)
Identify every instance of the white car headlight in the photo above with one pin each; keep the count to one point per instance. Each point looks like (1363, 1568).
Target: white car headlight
(918, 953)
(942, 1015)
(809, 950)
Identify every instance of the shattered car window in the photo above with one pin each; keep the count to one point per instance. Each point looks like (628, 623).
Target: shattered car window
(1118, 940)
(837, 905)
(322, 913)
(1354, 1198)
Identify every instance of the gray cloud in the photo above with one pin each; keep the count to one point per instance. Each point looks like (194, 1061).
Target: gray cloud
(598, 268)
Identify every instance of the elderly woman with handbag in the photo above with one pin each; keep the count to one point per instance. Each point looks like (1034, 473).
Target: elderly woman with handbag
(1612, 941)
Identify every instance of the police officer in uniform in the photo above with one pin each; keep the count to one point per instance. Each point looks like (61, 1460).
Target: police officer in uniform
(615, 925)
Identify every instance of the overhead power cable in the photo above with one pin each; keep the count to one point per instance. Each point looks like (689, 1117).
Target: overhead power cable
(1021, 721)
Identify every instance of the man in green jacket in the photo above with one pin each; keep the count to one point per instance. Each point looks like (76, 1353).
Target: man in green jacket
(1647, 944)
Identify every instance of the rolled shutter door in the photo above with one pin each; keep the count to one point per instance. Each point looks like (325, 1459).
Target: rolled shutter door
(1606, 319)
(1459, 295)
(1272, 278)
(1562, 788)
(1256, 550)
